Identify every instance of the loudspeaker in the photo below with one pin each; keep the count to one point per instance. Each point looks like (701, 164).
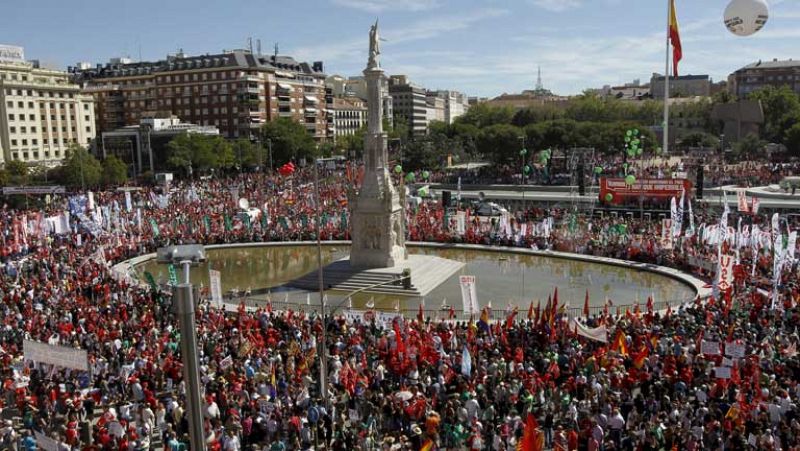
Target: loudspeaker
(699, 187)
(446, 198)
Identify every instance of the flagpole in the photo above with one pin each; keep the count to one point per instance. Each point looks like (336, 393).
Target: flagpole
(665, 145)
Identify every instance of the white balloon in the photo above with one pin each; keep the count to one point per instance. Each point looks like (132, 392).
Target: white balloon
(745, 17)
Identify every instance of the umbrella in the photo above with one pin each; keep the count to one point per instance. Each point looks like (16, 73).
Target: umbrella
(403, 395)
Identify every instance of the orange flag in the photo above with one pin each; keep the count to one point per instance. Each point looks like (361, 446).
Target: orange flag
(586, 304)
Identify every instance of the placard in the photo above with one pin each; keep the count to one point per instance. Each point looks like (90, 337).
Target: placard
(735, 350)
(226, 363)
(709, 347)
(215, 286)
(44, 442)
(722, 372)
(469, 295)
(55, 355)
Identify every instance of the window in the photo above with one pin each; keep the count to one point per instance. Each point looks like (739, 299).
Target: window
(20, 104)
(57, 153)
(86, 107)
(88, 129)
(25, 142)
(24, 155)
(23, 129)
(13, 142)
(16, 156)
(30, 104)
(10, 117)
(46, 154)
(10, 104)
(13, 129)
(33, 129)
(36, 155)
(32, 117)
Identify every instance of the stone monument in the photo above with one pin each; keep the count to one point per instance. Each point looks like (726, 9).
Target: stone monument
(378, 255)
(377, 212)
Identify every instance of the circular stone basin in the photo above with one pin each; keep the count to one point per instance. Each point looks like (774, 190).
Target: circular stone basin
(501, 278)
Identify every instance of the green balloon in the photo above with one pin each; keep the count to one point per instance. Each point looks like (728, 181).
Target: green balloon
(636, 142)
(410, 177)
(422, 192)
(629, 133)
(631, 152)
(425, 175)
(598, 170)
(609, 197)
(526, 169)
(630, 180)
(639, 151)
(523, 152)
(627, 139)
(625, 166)
(658, 150)
(635, 132)
(398, 169)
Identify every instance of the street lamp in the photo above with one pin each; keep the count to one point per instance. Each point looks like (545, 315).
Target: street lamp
(184, 307)
(323, 360)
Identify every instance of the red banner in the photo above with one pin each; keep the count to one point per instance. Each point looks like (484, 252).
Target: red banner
(649, 188)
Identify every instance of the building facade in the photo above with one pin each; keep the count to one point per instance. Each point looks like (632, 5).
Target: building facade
(682, 86)
(455, 104)
(761, 74)
(357, 87)
(236, 91)
(41, 112)
(349, 115)
(436, 107)
(409, 103)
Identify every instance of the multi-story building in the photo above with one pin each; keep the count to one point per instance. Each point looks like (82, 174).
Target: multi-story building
(143, 146)
(357, 87)
(435, 106)
(349, 115)
(236, 91)
(41, 112)
(409, 103)
(767, 73)
(455, 104)
(682, 86)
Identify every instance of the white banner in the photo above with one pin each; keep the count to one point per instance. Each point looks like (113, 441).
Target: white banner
(128, 202)
(461, 222)
(226, 363)
(597, 334)
(742, 200)
(215, 285)
(722, 372)
(46, 443)
(709, 347)
(55, 355)
(725, 280)
(469, 295)
(735, 350)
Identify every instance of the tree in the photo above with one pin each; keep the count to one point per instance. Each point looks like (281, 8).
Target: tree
(5, 178)
(80, 169)
(115, 171)
(793, 139)
(17, 168)
(247, 154)
(500, 143)
(700, 139)
(483, 115)
(201, 153)
(781, 111)
(290, 140)
(750, 146)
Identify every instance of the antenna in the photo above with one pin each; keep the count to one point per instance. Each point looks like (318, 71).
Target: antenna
(275, 55)
(250, 43)
(539, 86)
(258, 47)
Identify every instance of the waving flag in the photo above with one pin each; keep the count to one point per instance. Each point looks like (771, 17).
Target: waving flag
(674, 37)
(532, 436)
(466, 362)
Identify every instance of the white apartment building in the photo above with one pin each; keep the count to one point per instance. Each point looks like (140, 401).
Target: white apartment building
(455, 104)
(349, 115)
(41, 112)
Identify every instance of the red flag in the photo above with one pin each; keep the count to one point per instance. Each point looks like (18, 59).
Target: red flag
(555, 303)
(586, 304)
(420, 314)
(530, 312)
(532, 437)
(650, 304)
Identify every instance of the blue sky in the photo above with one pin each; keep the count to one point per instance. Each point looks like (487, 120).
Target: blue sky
(481, 47)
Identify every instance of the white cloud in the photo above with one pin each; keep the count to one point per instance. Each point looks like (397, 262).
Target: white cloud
(375, 6)
(557, 5)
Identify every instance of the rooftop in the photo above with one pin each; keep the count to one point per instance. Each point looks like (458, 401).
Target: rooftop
(774, 64)
(241, 59)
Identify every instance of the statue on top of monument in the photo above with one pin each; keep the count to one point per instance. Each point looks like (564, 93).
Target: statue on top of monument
(374, 46)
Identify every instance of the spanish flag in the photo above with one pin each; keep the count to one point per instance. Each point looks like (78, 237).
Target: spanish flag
(619, 343)
(674, 38)
(427, 446)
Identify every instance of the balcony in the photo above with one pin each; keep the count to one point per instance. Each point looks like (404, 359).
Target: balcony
(285, 113)
(251, 79)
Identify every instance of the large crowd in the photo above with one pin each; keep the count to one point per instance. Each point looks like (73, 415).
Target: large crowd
(719, 373)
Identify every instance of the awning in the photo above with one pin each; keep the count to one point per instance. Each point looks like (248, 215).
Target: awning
(285, 86)
(311, 110)
(312, 99)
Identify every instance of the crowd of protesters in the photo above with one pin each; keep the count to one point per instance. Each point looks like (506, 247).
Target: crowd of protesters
(637, 380)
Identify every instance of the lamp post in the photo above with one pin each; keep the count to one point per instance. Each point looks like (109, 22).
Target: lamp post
(184, 306)
(323, 359)
(269, 145)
